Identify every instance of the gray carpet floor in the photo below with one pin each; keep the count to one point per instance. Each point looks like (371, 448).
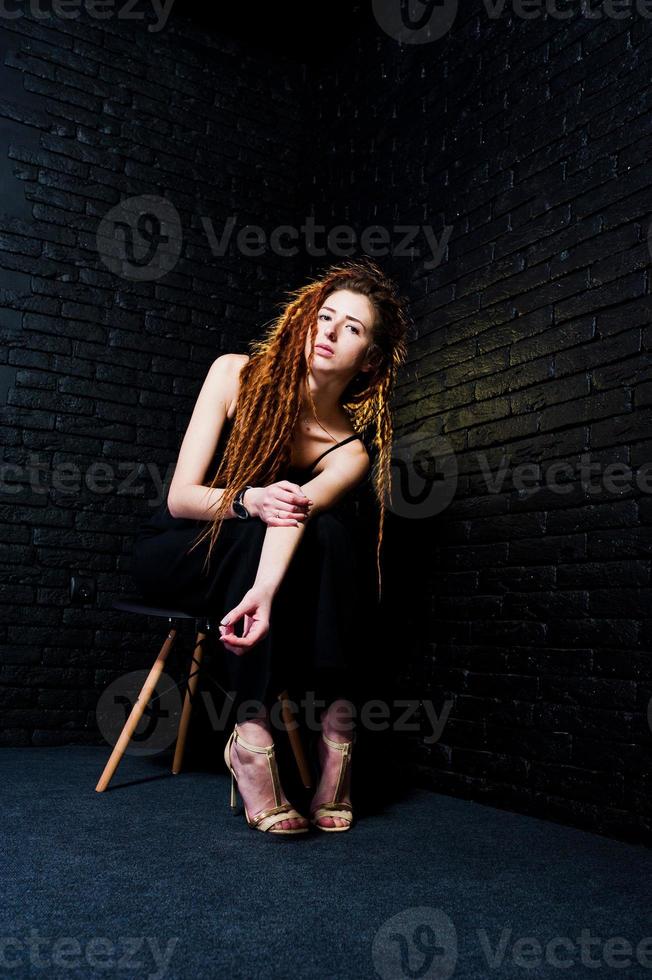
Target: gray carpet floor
(157, 878)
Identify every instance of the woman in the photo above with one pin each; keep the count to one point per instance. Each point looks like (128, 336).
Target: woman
(276, 529)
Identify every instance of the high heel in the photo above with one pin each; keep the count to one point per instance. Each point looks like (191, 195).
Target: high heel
(266, 819)
(335, 807)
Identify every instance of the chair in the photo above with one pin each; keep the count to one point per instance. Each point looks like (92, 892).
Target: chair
(203, 625)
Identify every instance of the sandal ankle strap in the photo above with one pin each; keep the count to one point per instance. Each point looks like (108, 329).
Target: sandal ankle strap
(268, 751)
(344, 749)
(338, 745)
(237, 737)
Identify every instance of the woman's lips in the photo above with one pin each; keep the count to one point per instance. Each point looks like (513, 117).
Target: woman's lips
(323, 352)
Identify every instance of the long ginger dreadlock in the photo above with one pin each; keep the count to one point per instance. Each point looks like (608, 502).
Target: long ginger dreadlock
(259, 446)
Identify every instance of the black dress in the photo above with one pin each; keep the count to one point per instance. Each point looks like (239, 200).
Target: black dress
(319, 613)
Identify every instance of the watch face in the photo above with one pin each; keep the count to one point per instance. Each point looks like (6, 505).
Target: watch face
(240, 509)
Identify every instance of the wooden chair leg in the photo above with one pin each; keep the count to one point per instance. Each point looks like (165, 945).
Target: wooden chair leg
(193, 680)
(295, 739)
(136, 713)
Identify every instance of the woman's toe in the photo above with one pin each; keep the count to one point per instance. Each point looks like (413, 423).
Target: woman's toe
(291, 823)
(331, 821)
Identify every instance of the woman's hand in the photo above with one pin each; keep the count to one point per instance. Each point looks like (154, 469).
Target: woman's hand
(280, 504)
(256, 608)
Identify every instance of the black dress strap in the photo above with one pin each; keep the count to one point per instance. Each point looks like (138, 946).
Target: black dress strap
(342, 443)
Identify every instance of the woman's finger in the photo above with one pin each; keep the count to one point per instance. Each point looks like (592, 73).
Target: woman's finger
(230, 643)
(229, 620)
(256, 633)
(292, 488)
(253, 629)
(289, 499)
(282, 519)
(227, 646)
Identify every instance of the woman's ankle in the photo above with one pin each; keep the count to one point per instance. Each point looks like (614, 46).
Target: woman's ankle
(337, 721)
(256, 730)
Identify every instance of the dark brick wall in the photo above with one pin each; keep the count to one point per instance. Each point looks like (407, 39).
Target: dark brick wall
(101, 370)
(529, 613)
(523, 145)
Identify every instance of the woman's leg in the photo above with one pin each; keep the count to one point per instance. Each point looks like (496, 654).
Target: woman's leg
(252, 770)
(337, 721)
(332, 622)
(165, 568)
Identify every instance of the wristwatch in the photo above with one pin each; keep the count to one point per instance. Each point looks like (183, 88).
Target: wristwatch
(238, 507)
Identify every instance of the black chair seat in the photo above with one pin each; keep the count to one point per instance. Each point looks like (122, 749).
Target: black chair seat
(137, 604)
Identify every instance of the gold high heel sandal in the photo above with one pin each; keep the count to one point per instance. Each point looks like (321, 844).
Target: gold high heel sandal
(335, 807)
(266, 819)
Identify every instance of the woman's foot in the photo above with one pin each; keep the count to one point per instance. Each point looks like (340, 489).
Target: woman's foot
(330, 760)
(253, 776)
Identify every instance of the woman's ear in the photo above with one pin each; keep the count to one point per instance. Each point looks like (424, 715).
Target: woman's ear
(372, 360)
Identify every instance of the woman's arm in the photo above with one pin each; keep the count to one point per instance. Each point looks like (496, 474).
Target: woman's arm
(187, 496)
(340, 472)
(339, 475)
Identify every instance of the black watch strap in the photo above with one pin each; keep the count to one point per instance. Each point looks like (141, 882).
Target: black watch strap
(241, 510)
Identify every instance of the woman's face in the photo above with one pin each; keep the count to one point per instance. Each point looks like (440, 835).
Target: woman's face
(345, 324)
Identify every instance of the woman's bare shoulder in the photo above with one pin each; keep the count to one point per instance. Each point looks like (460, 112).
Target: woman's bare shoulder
(231, 361)
(232, 365)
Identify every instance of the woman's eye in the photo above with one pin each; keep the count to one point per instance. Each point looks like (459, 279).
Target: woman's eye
(325, 316)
